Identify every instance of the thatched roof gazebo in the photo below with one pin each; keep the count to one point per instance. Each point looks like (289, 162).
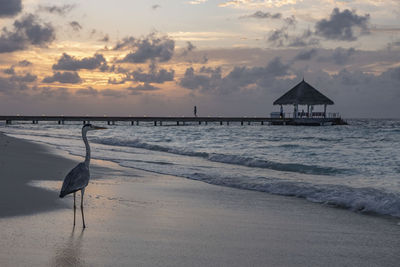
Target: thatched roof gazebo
(303, 94)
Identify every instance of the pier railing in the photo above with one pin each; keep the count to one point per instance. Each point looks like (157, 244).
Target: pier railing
(170, 120)
(310, 115)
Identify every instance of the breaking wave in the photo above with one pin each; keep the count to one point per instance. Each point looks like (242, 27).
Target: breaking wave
(231, 159)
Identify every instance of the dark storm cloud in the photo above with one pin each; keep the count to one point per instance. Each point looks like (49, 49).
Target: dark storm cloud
(63, 77)
(149, 48)
(24, 63)
(27, 31)
(341, 25)
(67, 62)
(59, 10)
(9, 8)
(262, 15)
(75, 26)
(211, 80)
(306, 54)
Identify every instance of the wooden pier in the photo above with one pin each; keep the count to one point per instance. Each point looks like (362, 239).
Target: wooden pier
(175, 120)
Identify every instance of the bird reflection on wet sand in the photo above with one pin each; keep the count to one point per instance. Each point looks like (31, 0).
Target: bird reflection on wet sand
(70, 252)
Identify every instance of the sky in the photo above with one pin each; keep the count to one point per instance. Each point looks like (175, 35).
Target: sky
(229, 58)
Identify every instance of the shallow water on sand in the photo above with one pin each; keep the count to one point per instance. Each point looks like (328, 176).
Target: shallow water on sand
(355, 166)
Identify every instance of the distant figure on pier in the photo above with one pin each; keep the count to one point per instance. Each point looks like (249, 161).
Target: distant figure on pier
(195, 111)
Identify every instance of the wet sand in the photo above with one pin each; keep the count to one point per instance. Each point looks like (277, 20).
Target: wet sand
(137, 218)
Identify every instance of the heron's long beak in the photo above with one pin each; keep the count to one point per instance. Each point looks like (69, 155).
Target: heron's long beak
(99, 128)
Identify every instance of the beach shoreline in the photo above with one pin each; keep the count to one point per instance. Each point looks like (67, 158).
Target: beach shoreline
(140, 218)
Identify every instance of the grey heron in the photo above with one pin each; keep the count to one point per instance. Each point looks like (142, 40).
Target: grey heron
(78, 178)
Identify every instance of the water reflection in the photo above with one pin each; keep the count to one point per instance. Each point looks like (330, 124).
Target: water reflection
(70, 252)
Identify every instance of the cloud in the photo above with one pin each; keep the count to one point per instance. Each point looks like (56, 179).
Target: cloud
(149, 48)
(63, 77)
(27, 31)
(6, 85)
(280, 37)
(189, 47)
(9, 8)
(21, 78)
(341, 55)
(27, 78)
(263, 15)
(341, 25)
(115, 81)
(9, 71)
(250, 4)
(196, 2)
(75, 26)
(49, 92)
(105, 39)
(15, 83)
(67, 62)
(154, 7)
(153, 76)
(112, 93)
(142, 88)
(209, 80)
(87, 92)
(306, 54)
(127, 42)
(24, 63)
(60, 10)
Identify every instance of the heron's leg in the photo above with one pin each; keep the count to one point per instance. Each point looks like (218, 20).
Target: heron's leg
(74, 208)
(83, 217)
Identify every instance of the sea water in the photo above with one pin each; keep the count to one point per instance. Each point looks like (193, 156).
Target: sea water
(355, 166)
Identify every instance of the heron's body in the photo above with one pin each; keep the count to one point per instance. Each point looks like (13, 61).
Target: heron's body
(78, 178)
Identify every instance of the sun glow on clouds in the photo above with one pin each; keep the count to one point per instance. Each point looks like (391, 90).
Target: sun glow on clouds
(197, 2)
(251, 4)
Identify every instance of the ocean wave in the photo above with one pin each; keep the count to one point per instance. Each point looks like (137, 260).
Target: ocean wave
(365, 200)
(231, 159)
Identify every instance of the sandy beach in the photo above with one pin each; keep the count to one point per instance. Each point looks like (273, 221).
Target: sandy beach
(137, 218)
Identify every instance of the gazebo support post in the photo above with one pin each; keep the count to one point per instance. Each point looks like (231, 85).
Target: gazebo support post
(325, 111)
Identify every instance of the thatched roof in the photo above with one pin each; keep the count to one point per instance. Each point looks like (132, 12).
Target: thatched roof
(303, 94)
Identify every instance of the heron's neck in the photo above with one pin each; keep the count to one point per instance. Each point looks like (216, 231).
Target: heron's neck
(87, 157)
